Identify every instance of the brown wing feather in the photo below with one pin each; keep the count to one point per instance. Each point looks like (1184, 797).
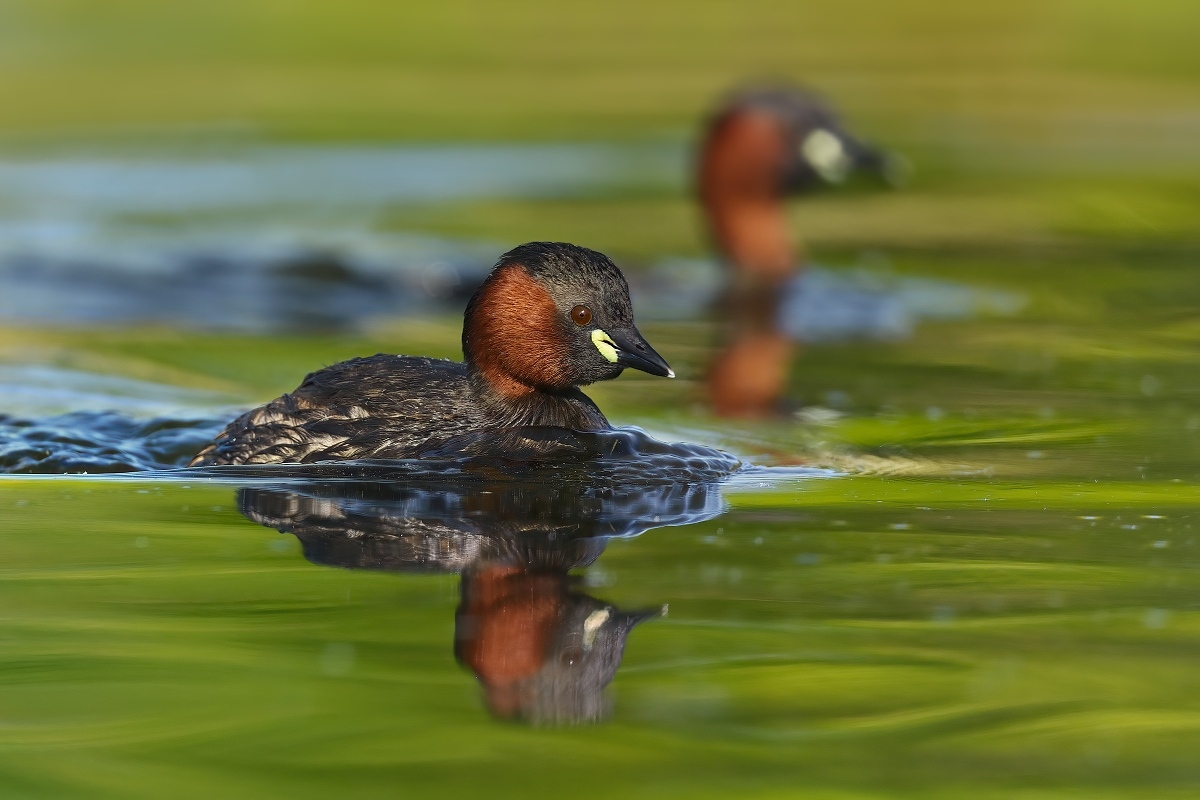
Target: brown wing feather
(376, 407)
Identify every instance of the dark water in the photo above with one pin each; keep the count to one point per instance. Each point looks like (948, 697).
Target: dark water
(99, 442)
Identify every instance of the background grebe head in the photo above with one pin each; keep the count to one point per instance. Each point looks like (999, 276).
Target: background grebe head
(763, 144)
(810, 149)
(551, 316)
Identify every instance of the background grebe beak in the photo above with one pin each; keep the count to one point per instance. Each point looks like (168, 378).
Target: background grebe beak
(891, 168)
(633, 351)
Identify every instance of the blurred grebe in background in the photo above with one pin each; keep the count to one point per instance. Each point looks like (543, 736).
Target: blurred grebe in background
(762, 146)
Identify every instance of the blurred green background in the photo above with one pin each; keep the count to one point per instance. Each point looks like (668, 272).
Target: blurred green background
(1028, 120)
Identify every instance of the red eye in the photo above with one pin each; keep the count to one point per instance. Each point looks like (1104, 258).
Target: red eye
(581, 314)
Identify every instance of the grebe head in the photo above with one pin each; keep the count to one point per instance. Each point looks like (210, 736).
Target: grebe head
(551, 316)
(783, 140)
(762, 145)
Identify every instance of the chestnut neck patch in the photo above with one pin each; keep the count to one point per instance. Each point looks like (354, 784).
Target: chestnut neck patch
(740, 188)
(513, 335)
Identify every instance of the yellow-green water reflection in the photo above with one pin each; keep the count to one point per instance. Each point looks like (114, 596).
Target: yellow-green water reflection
(848, 635)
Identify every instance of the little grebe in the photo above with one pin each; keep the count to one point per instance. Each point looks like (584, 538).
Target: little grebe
(549, 318)
(761, 146)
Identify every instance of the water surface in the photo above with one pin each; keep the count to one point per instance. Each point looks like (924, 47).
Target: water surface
(990, 603)
(934, 636)
(967, 565)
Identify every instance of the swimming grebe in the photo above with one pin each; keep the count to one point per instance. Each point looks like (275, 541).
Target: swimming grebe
(761, 146)
(550, 317)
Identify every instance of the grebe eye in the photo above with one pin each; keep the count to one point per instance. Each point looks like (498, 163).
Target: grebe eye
(581, 314)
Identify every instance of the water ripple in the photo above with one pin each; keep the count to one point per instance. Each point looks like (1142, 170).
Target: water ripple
(99, 441)
(104, 442)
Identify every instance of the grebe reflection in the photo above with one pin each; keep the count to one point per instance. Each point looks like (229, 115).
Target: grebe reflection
(543, 650)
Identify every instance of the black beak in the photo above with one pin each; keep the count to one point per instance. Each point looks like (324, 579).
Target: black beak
(634, 351)
(892, 169)
(628, 620)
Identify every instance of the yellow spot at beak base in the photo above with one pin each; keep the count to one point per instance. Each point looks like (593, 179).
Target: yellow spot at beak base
(605, 345)
(592, 625)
